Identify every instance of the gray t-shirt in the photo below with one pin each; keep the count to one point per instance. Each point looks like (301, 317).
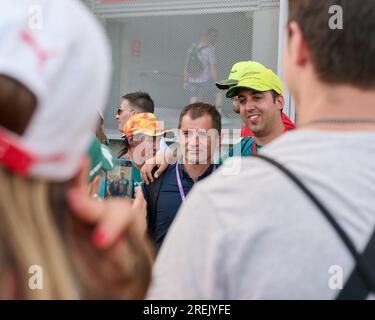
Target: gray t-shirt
(256, 236)
(208, 58)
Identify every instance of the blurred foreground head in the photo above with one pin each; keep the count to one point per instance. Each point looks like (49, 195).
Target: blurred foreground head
(54, 77)
(330, 41)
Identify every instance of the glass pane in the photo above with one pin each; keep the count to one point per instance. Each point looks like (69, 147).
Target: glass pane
(150, 52)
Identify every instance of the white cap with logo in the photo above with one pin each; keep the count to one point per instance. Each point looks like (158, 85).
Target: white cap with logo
(59, 51)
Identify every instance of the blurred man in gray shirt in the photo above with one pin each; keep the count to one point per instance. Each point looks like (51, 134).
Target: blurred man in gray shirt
(255, 233)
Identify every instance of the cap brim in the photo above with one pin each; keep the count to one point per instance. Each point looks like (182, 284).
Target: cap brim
(156, 134)
(226, 84)
(234, 91)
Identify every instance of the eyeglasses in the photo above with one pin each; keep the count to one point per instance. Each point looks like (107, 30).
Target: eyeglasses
(120, 110)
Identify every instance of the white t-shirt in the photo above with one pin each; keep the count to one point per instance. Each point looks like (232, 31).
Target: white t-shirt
(257, 236)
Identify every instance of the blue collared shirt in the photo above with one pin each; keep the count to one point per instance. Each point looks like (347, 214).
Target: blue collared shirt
(169, 200)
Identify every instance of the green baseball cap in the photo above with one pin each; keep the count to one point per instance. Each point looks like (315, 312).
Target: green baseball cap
(101, 157)
(238, 70)
(259, 78)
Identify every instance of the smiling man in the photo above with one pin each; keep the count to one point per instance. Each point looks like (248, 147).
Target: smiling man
(239, 69)
(260, 97)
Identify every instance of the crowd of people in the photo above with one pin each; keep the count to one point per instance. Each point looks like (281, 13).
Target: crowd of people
(174, 222)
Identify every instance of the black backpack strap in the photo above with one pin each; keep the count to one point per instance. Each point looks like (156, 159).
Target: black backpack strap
(362, 270)
(153, 190)
(355, 288)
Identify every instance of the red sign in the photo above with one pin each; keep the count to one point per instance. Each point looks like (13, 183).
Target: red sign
(136, 48)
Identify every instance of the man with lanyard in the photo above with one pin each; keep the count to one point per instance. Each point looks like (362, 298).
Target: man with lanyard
(199, 136)
(259, 93)
(238, 70)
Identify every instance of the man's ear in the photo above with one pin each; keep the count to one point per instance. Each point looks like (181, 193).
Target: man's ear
(280, 101)
(297, 45)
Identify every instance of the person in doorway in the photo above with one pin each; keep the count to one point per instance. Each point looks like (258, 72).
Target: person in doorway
(200, 72)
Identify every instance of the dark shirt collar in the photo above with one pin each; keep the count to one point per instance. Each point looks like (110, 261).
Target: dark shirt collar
(185, 175)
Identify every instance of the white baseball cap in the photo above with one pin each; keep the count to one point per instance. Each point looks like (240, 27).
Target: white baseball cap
(59, 51)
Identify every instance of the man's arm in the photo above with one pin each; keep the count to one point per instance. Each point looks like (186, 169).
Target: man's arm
(212, 62)
(213, 72)
(161, 160)
(186, 74)
(235, 151)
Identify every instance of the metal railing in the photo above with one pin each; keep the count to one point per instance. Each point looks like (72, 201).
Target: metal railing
(131, 8)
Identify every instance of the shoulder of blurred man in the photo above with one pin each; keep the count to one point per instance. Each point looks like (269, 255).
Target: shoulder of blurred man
(287, 229)
(243, 148)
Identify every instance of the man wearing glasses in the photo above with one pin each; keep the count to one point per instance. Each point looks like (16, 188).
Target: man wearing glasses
(132, 104)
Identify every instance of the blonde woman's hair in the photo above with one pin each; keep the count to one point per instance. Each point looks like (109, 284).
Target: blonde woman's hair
(30, 237)
(38, 229)
(34, 235)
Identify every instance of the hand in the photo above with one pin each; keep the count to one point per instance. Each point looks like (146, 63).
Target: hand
(112, 217)
(160, 160)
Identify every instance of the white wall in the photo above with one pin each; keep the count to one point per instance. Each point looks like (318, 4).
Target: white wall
(265, 37)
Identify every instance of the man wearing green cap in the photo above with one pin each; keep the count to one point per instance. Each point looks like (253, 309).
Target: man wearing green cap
(259, 93)
(236, 73)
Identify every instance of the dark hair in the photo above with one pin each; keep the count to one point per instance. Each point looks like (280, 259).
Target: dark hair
(100, 132)
(125, 146)
(212, 32)
(199, 109)
(275, 95)
(339, 55)
(141, 101)
(17, 105)
(212, 35)
(71, 236)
